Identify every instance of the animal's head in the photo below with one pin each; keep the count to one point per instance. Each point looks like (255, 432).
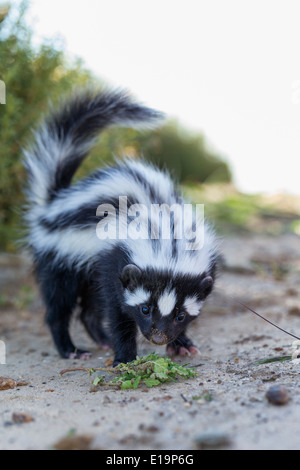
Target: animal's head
(163, 304)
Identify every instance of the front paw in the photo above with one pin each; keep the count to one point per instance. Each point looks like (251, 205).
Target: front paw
(116, 362)
(123, 360)
(182, 346)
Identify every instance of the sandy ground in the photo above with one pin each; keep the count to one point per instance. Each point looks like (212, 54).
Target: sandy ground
(233, 412)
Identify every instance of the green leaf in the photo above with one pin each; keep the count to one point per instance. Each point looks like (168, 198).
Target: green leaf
(161, 366)
(151, 382)
(136, 382)
(98, 379)
(126, 385)
(269, 360)
(160, 376)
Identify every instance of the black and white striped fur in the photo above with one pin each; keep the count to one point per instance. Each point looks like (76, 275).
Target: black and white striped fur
(155, 285)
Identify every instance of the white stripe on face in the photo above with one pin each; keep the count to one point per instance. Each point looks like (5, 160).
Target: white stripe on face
(167, 302)
(137, 297)
(192, 305)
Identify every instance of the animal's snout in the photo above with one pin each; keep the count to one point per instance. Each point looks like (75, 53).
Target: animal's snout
(159, 338)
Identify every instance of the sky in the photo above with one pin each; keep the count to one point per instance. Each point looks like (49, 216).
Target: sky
(229, 69)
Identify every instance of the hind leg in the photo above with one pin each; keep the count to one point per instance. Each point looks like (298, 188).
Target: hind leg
(92, 317)
(93, 325)
(61, 337)
(59, 289)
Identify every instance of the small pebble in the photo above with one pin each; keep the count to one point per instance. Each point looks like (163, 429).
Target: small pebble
(6, 383)
(148, 428)
(209, 440)
(77, 442)
(278, 395)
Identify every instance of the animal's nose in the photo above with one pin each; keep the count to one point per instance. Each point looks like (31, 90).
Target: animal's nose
(159, 338)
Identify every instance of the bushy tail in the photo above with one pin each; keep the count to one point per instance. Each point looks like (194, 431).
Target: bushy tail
(66, 136)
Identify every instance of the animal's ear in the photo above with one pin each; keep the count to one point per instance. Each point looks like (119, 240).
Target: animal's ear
(206, 285)
(130, 276)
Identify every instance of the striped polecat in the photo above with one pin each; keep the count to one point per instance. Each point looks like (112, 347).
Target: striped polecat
(122, 243)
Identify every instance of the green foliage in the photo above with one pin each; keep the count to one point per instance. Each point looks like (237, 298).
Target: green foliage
(32, 78)
(150, 370)
(21, 300)
(234, 212)
(203, 397)
(186, 154)
(170, 147)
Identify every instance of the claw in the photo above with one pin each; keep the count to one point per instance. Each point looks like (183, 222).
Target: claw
(85, 355)
(80, 355)
(194, 351)
(184, 352)
(171, 351)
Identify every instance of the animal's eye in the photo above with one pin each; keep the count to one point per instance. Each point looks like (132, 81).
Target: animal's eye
(145, 309)
(180, 317)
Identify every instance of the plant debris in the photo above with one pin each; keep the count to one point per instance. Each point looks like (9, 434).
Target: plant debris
(21, 418)
(269, 360)
(203, 397)
(150, 370)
